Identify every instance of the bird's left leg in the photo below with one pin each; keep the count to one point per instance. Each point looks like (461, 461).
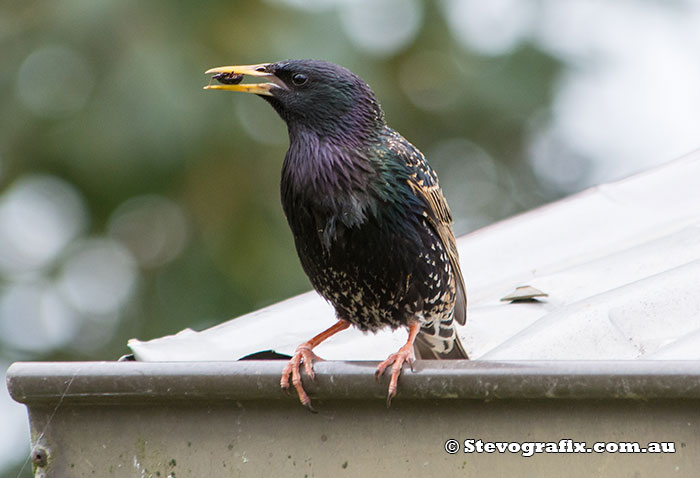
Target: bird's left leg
(404, 354)
(304, 354)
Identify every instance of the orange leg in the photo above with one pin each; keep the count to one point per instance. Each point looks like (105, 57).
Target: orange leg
(304, 354)
(404, 354)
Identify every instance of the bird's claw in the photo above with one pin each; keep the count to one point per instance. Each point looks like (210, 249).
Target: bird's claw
(396, 360)
(303, 354)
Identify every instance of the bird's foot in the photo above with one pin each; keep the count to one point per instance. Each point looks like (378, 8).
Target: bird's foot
(404, 354)
(303, 354)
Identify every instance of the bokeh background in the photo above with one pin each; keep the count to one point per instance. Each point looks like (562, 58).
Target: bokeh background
(135, 204)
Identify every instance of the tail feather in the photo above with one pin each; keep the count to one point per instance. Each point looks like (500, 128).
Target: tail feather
(425, 348)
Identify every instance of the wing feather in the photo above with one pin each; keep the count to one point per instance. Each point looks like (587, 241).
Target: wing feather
(440, 217)
(424, 183)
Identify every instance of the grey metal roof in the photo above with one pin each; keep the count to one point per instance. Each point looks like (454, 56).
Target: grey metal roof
(620, 264)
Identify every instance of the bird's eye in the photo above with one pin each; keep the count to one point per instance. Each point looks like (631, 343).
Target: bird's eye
(299, 79)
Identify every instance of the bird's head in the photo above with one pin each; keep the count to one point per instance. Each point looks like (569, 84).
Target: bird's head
(310, 95)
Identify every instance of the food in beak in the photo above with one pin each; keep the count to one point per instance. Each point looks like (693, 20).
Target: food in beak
(228, 78)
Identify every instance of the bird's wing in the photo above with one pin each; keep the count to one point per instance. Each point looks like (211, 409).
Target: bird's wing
(424, 183)
(438, 213)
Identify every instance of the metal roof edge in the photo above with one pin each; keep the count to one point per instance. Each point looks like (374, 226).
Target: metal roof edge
(47, 383)
(689, 159)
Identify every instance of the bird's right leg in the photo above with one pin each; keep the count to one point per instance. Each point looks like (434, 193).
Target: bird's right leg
(304, 354)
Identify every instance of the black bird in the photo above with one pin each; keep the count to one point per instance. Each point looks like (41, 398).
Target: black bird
(370, 223)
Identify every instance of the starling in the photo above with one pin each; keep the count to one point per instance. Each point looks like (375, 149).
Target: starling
(370, 223)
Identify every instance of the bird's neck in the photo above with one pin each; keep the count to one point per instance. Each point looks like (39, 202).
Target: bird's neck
(352, 130)
(326, 164)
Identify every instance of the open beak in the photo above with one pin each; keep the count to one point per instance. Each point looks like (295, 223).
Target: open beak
(230, 78)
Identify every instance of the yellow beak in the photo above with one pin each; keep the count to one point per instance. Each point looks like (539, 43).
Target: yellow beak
(224, 73)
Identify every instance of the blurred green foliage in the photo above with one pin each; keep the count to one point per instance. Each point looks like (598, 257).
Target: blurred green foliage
(106, 97)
